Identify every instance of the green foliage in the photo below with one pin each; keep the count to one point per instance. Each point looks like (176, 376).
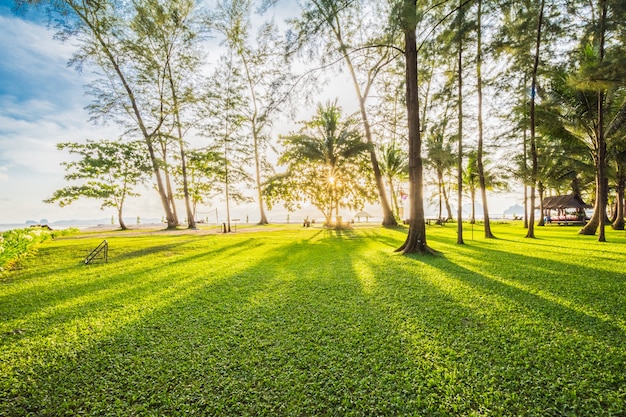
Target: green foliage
(302, 321)
(109, 171)
(16, 244)
(327, 165)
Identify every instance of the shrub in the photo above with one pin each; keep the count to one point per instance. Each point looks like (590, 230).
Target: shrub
(17, 243)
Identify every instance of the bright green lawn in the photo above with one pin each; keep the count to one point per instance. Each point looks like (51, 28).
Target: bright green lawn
(308, 322)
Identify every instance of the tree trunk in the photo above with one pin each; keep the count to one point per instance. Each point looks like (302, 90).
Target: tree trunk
(593, 223)
(394, 198)
(479, 153)
(542, 189)
(473, 197)
(525, 144)
(618, 223)
(459, 210)
(169, 191)
(602, 158)
(388, 217)
(446, 199)
(533, 141)
(598, 220)
(191, 222)
(120, 219)
(95, 30)
(441, 194)
(259, 189)
(416, 238)
(255, 138)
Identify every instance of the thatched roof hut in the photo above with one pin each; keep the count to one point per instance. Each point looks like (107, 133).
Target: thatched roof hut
(562, 202)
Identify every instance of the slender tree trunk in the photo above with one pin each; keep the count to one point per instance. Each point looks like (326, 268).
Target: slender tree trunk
(441, 191)
(416, 238)
(598, 220)
(191, 221)
(259, 188)
(256, 139)
(226, 185)
(394, 197)
(388, 217)
(541, 190)
(602, 152)
(525, 184)
(479, 153)
(459, 161)
(95, 30)
(120, 219)
(618, 223)
(473, 197)
(533, 141)
(170, 196)
(446, 199)
(168, 187)
(602, 178)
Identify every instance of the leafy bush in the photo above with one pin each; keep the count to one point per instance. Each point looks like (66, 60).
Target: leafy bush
(17, 243)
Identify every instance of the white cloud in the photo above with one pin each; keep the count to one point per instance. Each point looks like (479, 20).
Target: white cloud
(41, 103)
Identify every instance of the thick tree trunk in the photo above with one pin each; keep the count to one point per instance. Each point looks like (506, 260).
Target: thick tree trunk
(416, 238)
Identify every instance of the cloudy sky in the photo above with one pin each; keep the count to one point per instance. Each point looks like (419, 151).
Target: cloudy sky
(41, 103)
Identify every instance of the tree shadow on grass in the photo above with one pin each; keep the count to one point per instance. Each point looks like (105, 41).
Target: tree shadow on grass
(89, 278)
(295, 331)
(529, 347)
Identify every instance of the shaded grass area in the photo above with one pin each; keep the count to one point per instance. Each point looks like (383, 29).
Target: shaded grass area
(312, 322)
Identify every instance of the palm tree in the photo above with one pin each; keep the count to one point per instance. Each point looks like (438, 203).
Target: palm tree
(327, 165)
(471, 179)
(575, 107)
(394, 165)
(441, 159)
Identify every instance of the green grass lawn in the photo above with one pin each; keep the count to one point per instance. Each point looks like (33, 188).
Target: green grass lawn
(307, 322)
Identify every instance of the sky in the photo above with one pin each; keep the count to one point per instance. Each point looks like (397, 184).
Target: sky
(42, 103)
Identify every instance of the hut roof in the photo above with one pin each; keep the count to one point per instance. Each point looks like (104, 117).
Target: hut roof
(564, 201)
